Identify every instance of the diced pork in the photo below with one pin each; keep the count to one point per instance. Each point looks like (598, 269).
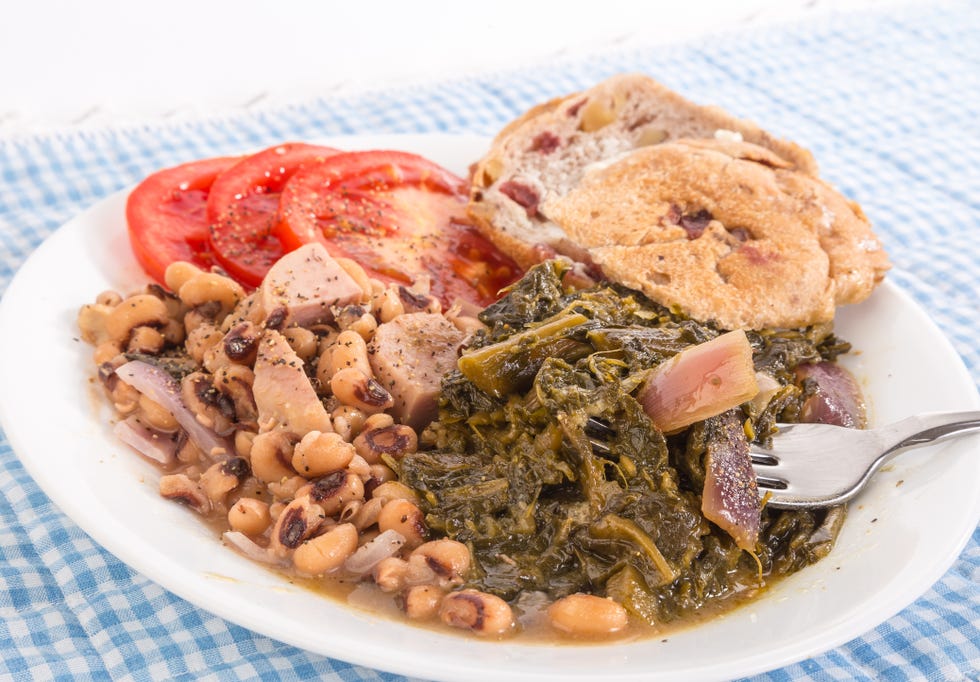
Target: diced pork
(409, 356)
(284, 395)
(306, 284)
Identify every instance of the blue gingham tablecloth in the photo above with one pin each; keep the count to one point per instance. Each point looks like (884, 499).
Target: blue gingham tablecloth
(888, 102)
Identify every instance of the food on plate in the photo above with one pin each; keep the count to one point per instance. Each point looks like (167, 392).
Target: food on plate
(363, 393)
(243, 208)
(560, 481)
(696, 209)
(344, 432)
(399, 215)
(167, 219)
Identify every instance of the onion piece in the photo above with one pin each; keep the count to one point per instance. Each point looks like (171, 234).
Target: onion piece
(838, 399)
(731, 495)
(157, 446)
(370, 554)
(250, 549)
(164, 390)
(700, 382)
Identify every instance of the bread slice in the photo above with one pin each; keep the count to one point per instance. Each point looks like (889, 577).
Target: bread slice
(727, 232)
(544, 153)
(699, 210)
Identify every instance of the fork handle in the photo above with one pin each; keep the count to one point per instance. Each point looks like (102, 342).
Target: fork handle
(925, 428)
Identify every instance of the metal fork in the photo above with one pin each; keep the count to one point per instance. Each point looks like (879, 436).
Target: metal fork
(820, 465)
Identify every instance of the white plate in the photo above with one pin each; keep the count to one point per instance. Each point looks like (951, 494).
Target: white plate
(899, 538)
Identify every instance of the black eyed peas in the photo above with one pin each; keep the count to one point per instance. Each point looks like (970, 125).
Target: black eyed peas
(406, 518)
(303, 342)
(586, 615)
(250, 516)
(270, 453)
(353, 387)
(448, 559)
(396, 440)
(208, 287)
(480, 612)
(307, 498)
(321, 453)
(333, 491)
(420, 602)
(325, 553)
(141, 310)
(298, 521)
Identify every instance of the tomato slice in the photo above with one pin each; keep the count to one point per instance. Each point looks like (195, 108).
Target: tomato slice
(399, 216)
(167, 218)
(243, 207)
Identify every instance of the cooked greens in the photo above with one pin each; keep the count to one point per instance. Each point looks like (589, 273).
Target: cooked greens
(513, 470)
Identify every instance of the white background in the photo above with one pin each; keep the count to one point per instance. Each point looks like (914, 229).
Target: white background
(97, 62)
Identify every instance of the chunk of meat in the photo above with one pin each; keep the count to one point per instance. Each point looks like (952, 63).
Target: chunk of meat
(409, 356)
(731, 494)
(307, 283)
(284, 395)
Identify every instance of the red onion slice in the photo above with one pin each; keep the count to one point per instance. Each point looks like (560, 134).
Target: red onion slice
(838, 399)
(731, 494)
(163, 389)
(371, 553)
(250, 549)
(159, 447)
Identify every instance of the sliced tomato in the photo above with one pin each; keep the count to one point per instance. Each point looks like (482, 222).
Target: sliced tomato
(244, 204)
(399, 216)
(167, 218)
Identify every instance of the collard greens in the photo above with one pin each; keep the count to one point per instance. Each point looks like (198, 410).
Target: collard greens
(512, 470)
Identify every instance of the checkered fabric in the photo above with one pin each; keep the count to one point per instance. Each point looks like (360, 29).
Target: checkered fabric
(888, 102)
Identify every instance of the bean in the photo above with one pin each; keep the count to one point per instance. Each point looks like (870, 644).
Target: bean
(269, 454)
(105, 352)
(353, 387)
(420, 602)
(92, 319)
(178, 273)
(356, 272)
(479, 612)
(396, 440)
(391, 305)
(156, 416)
(145, 340)
(379, 421)
(180, 488)
(321, 453)
(217, 482)
(406, 518)
(449, 560)
(326, 552)
(348, 421)
(249, 516)
(243, 442)
(350, 350)
(201, 339)
(302, 341)
(298, 522)
(207, 287)
(334, 491)
(586, 615)
(141, 310)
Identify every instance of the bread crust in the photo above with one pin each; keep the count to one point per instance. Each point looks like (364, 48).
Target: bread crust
(550, 172)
